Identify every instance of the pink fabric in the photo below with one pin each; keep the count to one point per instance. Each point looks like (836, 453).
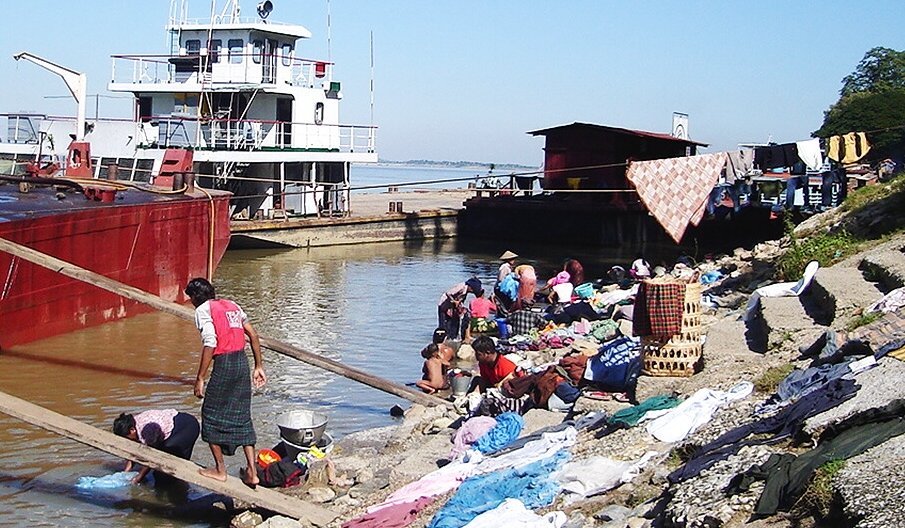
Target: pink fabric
(396, 516)
(675, 190)
(469, 434)
(527, 281)
(438, 482)
(229, 326)
(560, 278)
(153, 427)
(481, 307)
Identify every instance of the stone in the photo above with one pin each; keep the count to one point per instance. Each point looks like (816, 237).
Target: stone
(279, 521)
(637, 522)
(465, 353)
(246, 519)
(346, 501)
(438, 425)
(364, 475)
(538, 419)
(321, 494)
(613, 512)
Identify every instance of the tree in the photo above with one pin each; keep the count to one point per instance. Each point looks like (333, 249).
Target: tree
(880, 70)
(872, 98)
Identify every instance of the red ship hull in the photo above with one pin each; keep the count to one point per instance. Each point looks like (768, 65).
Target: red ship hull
(154, 243)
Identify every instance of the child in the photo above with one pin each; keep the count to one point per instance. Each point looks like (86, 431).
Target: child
(434, 370)
(481, 307)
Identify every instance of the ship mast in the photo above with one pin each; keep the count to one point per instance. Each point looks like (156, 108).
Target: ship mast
(77, 83)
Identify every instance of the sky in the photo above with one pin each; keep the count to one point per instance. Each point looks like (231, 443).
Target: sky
(466, 79)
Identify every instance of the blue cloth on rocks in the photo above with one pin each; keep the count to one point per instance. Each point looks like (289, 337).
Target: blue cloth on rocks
(508, 427)
(530, 484)
(116, 480)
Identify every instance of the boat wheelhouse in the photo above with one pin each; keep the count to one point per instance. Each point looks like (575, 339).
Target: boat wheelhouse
(263, 122)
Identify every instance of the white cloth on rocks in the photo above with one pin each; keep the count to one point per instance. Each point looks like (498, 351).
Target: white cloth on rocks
(585, 478)
(891, 302)
(673, 425)
(511, 513)
(781, 289)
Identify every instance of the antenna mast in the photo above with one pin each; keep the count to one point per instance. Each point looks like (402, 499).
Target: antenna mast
(329, 55)
(372, 78)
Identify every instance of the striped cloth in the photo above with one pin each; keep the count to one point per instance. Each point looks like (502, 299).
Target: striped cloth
(226, 411)
(658, 309)
(675, 190)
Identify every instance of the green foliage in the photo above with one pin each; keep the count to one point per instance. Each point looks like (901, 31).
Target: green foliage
(818, 497)
(825, 248)
(768, 382)
(858, 199)
(881, 69)
(872, 98)
(863, 319)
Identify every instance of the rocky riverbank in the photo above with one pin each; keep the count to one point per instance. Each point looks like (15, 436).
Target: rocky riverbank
(862, 490)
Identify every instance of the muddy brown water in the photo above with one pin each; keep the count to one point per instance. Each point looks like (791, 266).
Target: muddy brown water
(371, 306)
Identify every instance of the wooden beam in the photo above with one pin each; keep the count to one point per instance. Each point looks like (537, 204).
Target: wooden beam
(130, 292)
(183, 469)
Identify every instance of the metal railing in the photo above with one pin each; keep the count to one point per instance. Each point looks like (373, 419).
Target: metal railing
(248, 134)
(227, 68)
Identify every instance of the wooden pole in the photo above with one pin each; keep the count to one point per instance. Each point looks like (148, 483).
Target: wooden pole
(156, 459)
(184, 312)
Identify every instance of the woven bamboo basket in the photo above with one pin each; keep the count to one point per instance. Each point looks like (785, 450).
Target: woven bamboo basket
(681, 355)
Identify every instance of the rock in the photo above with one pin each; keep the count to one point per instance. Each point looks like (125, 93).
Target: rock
(346, 501)
(321, 494)
(637, 522)
(246, 519)
(539, 418)
(364, 475)
(576, 520)
(396, 411)
(743, 254)
(438, 425)
(465, 353)
(613, 512)
(278, 521)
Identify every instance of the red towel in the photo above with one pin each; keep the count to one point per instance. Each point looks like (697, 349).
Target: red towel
(658, 309)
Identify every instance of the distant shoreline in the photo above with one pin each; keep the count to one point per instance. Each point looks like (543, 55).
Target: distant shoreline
(464, 165)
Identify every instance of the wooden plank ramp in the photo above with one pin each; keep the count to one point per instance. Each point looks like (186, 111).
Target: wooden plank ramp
(274, 501)
(71, 270)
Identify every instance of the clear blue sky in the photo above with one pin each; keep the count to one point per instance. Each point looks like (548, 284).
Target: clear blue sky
(464, 80)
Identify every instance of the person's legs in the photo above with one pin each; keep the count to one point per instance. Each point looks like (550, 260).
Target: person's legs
(250, 478)
(218, 472)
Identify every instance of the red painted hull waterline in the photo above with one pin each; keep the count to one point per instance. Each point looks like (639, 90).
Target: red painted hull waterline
(154, 242)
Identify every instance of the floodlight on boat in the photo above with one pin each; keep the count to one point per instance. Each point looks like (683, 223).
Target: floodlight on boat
(264, 9)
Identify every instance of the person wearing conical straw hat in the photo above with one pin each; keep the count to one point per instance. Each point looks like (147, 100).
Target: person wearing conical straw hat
(508, 259)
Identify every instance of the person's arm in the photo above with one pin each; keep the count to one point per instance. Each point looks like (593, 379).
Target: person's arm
(142, 473)
(258, 376)
(207, 353)
(128, 466)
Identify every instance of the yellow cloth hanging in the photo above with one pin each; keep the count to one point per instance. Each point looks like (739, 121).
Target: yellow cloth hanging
(856, 147)
(833, 148)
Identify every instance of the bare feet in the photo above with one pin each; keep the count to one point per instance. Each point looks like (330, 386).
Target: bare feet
(251, 481)
(213, 473)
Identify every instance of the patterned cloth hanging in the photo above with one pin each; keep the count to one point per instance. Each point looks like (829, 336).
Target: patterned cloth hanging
(675, 190)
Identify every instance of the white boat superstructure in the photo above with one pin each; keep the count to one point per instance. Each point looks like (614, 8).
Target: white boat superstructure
(262, 121)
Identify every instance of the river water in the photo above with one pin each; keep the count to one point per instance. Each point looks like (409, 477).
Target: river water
(371, 306)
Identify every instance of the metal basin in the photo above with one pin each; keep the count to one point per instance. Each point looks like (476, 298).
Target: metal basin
(302, 427)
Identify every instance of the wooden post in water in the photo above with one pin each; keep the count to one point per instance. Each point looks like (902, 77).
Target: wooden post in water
(170, 464)
(184, 312)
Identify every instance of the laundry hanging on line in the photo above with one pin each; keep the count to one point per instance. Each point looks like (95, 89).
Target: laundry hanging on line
(675, 190)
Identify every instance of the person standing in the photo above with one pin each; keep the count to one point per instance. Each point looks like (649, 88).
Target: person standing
(508, 262)
(450, 309)
(168, 430)
(226, 412)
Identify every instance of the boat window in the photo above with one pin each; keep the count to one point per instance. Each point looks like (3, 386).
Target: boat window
(235, 51)
(102, 169)
(213, 49)
(193, 47)
(125, 168)
(185, 103)
(257, 51)
(318, 113)
(143, 170)
(287, 54)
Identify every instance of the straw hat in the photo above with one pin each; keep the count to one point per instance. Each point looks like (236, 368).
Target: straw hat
(508, 255)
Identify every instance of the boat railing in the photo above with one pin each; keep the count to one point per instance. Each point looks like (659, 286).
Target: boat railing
(220, 19)
(221, 67)
(248, 134)
(21, 128)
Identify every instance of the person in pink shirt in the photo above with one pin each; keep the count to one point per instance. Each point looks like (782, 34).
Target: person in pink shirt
(481, 306)
(168, 430)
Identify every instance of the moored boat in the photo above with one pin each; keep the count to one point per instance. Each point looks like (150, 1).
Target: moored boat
(146, 237)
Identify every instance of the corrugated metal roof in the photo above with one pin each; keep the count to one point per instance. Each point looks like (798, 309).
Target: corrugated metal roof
(617, 130)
